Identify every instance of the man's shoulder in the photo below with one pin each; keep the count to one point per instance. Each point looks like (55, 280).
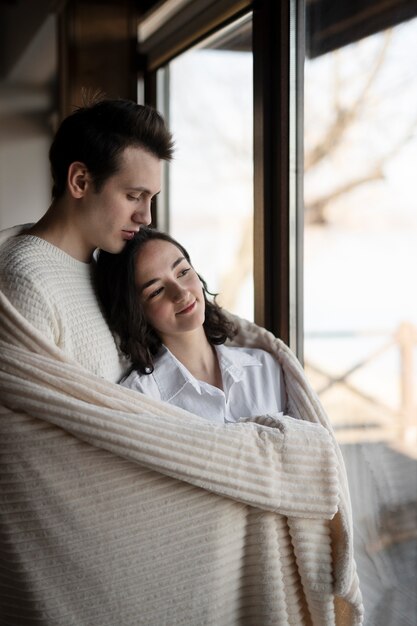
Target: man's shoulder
(24, 266)
(31, 269)
(27, 256)
(20, 250)
(13, 231)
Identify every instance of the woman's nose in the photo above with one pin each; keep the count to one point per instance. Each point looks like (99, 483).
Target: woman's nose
(178, 293)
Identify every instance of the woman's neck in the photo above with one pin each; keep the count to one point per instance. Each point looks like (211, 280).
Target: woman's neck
(199, 357)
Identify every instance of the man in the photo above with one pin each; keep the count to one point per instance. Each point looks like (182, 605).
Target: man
(106, 169)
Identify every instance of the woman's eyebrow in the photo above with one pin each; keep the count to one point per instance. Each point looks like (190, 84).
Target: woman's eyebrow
(148, 284)
(151, 281)
(177, 262)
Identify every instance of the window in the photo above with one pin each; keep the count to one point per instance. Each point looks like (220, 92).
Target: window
(231, 123)
(208, 95)
(360, 307)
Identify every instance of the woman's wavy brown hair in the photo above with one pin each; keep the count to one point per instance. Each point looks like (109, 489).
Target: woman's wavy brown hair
(115, 281)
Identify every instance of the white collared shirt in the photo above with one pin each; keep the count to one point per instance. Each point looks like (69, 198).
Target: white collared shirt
(252, 385)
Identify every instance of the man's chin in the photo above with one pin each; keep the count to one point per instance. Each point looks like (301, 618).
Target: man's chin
(114, 248)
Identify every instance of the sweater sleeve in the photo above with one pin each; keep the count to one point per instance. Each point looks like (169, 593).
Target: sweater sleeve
(31, 300)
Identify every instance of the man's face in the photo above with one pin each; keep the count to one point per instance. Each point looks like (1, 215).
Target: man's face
(110, 217)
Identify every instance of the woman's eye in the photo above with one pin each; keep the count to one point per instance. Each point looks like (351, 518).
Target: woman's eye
(133, 198)
(184, 271)
(155, 293)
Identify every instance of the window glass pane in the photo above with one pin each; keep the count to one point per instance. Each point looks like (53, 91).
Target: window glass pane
(208, 98)
(360, 300)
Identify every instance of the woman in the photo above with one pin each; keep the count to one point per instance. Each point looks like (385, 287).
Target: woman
(174, 335)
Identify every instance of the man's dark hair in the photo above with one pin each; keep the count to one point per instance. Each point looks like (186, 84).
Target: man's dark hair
(97, 134)
(115, 280)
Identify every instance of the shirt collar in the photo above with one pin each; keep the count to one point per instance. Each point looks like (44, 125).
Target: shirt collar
(233, 361)
(171, 376)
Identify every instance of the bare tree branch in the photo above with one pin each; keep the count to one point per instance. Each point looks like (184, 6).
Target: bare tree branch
(344, 118)
(316, 210)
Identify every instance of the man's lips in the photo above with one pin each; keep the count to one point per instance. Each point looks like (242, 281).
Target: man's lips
(187, 309)
(129, 234)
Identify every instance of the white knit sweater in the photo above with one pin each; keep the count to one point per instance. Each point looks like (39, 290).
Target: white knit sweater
(55, 292)
(121, 510)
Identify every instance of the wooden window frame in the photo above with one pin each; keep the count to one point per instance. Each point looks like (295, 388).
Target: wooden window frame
(277, 62)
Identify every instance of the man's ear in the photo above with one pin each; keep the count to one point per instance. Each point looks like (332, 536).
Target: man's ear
(78, 179)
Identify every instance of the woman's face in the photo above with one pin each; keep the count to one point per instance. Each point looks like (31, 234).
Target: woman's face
(169, 289)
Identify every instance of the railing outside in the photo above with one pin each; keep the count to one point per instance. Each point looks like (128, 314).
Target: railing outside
(399, 423)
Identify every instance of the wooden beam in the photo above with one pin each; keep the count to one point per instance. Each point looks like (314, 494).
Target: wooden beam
(97, 51)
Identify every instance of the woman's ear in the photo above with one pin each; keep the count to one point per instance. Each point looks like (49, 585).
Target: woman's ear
(78, 179)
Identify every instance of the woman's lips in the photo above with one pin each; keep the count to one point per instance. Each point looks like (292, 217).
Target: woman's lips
(187, 309)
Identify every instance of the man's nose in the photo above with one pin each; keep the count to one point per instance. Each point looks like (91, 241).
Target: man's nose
(144, 215)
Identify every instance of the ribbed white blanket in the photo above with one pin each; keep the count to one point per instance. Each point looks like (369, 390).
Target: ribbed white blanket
(117, 510)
